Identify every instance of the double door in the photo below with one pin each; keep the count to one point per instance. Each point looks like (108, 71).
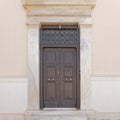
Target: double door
(59, 77)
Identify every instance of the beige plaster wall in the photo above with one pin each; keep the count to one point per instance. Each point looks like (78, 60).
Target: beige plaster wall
(13, 42)
(106, 38)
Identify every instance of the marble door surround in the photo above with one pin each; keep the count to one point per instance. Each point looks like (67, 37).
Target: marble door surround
(56, 12)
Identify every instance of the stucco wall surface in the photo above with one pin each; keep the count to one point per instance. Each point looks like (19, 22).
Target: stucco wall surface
(13, 40)
(106, 38)
(105, 56)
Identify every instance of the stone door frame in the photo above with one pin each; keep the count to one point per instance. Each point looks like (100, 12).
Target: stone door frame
(33, 74)
(36, 18)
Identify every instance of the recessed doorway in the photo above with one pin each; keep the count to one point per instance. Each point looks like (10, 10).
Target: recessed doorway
(60, 64)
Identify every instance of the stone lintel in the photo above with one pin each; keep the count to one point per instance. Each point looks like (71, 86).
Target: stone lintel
(63, 8)
(56, 23)
(55, 20)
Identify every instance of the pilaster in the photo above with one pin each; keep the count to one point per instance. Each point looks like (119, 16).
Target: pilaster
(33, 70)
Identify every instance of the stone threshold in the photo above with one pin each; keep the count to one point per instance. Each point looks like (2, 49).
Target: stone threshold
(60, 109)
(54, 115)
(60, 114)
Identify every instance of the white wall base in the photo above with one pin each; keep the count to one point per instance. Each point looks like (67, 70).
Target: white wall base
(107, 116)
(98, 116)
(12, 117)
(13, 95)
(105, 94)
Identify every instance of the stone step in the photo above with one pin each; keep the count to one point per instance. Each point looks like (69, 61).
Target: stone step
(57, 118)
(56, 115)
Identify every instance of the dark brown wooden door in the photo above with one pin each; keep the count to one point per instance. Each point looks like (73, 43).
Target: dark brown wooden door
(59, 77)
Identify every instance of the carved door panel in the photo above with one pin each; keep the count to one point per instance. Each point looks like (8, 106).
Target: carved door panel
(51, 78)
(68, 77)
(59, 77)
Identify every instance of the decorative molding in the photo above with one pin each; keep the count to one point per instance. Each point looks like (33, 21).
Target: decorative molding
(106, 75)
(57, 2)
(105, 78)
(68, 11)
(13, 80)
(59, 20)
(52, 11)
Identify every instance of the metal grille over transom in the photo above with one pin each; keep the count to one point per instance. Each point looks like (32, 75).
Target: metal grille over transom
(59, 35)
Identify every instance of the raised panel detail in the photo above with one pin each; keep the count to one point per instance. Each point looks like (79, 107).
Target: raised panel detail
(50, 78)
(51, 56)
(59, 77)
(68, 91)
(68, 71)
(51, 71)
(68, 57)
(51, 92)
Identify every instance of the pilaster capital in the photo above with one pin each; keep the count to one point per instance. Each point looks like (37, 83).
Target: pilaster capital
(33, 23)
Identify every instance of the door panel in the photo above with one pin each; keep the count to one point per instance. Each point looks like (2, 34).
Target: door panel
(68, 67)
(50, 77)
(59, 77)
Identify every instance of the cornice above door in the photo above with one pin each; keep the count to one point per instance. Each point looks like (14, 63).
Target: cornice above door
(59, 2)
